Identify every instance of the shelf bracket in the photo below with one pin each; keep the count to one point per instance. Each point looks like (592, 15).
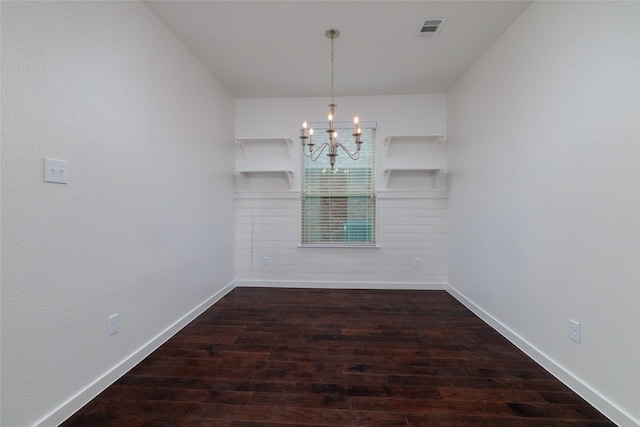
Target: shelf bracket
(289, 143)
(437, 177)
(244, 179)
(240, 142)
(386, 144)
(441, 139)
(290, 176)
(387, 175)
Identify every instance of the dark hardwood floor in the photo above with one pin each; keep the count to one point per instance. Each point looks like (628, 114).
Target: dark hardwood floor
(264, 357)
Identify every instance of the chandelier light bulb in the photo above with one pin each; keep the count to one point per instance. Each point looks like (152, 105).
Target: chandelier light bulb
(357, 130)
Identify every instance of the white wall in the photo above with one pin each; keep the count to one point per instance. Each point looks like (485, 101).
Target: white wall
(412, 213)
(144, 228)
(544, 194)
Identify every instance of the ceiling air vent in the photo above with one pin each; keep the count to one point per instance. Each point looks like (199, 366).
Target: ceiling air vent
(430, 28)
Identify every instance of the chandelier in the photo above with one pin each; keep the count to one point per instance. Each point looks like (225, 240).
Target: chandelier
(306, 136)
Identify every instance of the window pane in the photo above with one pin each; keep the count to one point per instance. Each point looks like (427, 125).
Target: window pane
(339, 205)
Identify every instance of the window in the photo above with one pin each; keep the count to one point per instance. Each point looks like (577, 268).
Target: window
(339, 205)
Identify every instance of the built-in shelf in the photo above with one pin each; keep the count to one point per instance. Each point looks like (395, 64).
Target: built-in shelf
(244, 175)
(437, 174)
(255, 160)
(437, 139)
(245, 143)
(414, 161)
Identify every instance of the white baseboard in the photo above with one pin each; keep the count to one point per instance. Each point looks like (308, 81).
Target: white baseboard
(68, 408)
(72, 405)
(600, 402)
(424, 286)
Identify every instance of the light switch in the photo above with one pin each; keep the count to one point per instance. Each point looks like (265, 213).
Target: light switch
(55, 171)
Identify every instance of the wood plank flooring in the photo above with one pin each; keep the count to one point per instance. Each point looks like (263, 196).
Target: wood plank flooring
(264, 357)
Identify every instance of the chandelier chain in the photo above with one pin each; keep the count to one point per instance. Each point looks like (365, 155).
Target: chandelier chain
(332, 68)
(333, 142)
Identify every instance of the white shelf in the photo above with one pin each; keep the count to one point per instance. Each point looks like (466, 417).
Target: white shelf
(244, 175)
(263, 164)
(437, 139)
(255, 160)
(245, 142)
(437, 174)
(415, 161)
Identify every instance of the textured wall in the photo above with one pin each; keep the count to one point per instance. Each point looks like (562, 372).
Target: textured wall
(544, 197)
(144, 228)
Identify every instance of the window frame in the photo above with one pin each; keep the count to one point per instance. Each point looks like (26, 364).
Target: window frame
(368, 128)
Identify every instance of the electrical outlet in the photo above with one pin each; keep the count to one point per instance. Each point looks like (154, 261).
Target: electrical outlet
(265, 261)
(574, 330)
(56, 171)
(114, 324)
(417, 263)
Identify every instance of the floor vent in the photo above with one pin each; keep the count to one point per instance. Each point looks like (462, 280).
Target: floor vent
(430, 28)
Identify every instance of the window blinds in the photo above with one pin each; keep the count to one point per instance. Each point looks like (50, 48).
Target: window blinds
(339, 205)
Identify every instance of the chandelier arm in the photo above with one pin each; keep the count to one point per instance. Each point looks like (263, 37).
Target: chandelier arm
(305, 153)
(354, 156)
(317, 152)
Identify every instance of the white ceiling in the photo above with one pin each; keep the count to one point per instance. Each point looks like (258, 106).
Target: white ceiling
(265, 49)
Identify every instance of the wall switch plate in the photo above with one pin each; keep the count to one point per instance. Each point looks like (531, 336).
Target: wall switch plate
(574, 330)
(265, 261)
(56, 171)
(417, 263)
(114, 324)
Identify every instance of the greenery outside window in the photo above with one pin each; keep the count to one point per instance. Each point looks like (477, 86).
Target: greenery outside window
(339, 205)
